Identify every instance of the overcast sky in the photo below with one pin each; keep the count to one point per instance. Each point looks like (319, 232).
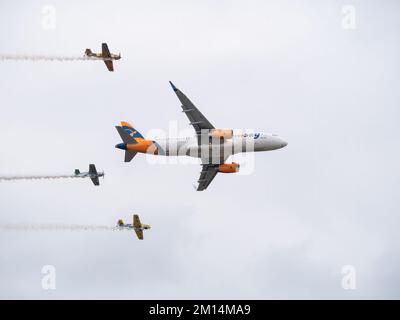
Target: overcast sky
(327, 200)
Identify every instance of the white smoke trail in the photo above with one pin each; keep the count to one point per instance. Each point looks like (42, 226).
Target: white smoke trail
(11, 178)
(55, 227)
(28, 57)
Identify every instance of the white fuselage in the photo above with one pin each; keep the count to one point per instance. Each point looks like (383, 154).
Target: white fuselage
(99, 56)
(89, 175)
(241, 141)
(129, 226)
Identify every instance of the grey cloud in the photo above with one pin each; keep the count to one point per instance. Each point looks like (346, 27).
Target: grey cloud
(329, 199)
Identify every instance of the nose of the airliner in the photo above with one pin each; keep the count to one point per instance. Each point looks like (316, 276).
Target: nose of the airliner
(280, 143)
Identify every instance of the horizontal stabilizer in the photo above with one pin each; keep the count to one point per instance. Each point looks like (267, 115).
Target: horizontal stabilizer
(129, 155)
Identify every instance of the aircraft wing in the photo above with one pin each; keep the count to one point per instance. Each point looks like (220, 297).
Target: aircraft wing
(209, 171)
(207, 175)
(109, 64)
(104, 51)
(95, 181)
(197, 119)
(136, 221)
(139, 234)
(92, 169)
(93, 174)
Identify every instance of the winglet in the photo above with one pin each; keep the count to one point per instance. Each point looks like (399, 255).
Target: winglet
(173, 86)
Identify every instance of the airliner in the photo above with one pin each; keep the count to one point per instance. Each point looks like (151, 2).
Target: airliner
(212, 145)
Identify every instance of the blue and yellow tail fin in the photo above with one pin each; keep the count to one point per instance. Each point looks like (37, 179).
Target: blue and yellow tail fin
(131, 131)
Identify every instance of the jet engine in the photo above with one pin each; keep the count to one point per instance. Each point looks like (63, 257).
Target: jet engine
(221, 133)
(229, 167)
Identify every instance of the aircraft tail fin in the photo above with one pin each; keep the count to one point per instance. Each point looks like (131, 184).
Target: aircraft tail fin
(125, 136)
(77, 171)
(88, 52)
(127, 139)
(120, 223)
(131, 130)
(129, 135)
